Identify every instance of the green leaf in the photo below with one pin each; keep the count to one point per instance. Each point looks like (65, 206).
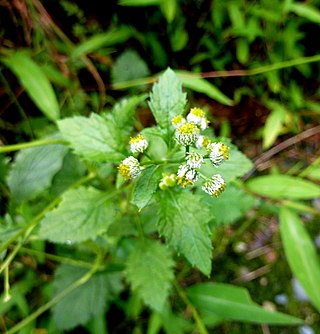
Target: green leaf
(232, 204)
(149, 271)
(123, 69)
(273, 125)
(145, 186)
(157, 148)
(167, 99)
(33, 170)
(84, 213)
(301, 254)
(35, 82)
(234, 303)
(98, 41)
(87, 301)
(139, 3)
(237, 165)
(203, 86)
(307, 11)
(168, 8)
(183, 222)
(283, 186)
(94, 138)
(123, 114)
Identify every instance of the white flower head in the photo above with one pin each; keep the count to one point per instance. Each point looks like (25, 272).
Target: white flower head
(187, 134)
(130, 168)
(186, 176)
(202, 141)
(194, 159)
(198, 117)
(214, 186)
(177, 121)
(138, 144)
(218, 152)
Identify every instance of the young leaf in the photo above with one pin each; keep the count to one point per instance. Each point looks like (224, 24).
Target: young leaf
(183, 221)
(94, 138)
(234, 303)
(283, 186)
(33, 170)
(84, 213)
(167, 99)
(146, 186)
(35, 83)
(87, 301)
(203, 86)
(168, 8)
(230, 205)
(301, 254)
(304, 10)
(149, 271)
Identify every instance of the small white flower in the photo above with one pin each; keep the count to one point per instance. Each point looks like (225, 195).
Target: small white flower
(130, 168)
(187, 134)
(214, 186)
(178, 121)
(194, 159)
(198, 117)
(202, 141)
(186, 176)
(218, 153)
(138, 144)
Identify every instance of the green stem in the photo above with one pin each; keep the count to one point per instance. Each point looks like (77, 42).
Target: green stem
(16, 147)
(7, 296)
(195, 314)
(82, 280)
(300, 207)
(307, 170)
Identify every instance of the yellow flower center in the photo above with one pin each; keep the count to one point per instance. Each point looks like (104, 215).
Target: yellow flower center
(197, 112)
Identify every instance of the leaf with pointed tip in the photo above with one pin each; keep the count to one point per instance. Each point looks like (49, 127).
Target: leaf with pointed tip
(183, 222)
(149, 271)
(167, 99)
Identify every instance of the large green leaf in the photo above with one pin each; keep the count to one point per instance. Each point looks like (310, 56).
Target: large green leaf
(33, 170)
(230, 205)
(98, 41)
(234, 303)
(84, 213)
(145, 186)
(149, 271)
(94, 138)
(35, 82)
(301, 254)
(87, 301)
(167, 99)
(283, 186)
(203, 86)
(183, 222)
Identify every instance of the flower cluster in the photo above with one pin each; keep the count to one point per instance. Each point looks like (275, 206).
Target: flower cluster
(188, 133)
(130, 167)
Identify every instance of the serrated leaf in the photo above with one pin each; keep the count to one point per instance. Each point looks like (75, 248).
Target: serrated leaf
(87, 301)
(98, 41)
(283, 186)
(149, 271)
(35, 82)
(157, 148)
(84, 213)
(94, 138)
(33, 170)
(203, 86)
(237, 165)
(234, 303)
(301, 254)
(183, 222)
(230, 205)
(167, 99)
(145, 186)
(123, 113)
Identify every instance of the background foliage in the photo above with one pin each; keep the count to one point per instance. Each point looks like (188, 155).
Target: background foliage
(78, 79)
